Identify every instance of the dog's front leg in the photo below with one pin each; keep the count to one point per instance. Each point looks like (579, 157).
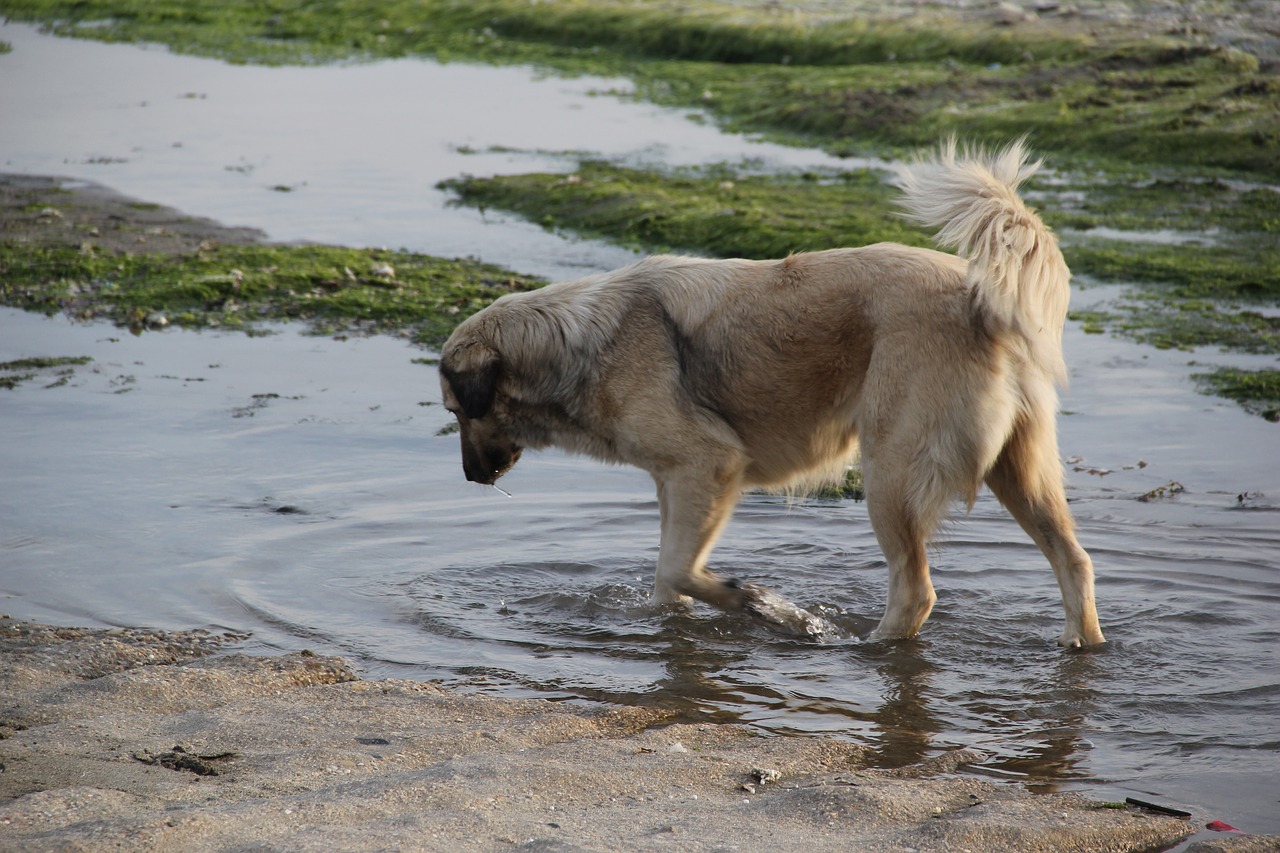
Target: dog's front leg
(694, 511)
(694, 508)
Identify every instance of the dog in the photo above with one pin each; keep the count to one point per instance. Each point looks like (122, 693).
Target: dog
(717, 375)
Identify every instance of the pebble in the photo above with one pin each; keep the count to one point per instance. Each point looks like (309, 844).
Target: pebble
(765, 775)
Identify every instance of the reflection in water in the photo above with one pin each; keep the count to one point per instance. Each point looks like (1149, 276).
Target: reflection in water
(691, 682)
(906, 721)
(1057, 751)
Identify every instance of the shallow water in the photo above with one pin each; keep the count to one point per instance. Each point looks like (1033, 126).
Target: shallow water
(295, 488)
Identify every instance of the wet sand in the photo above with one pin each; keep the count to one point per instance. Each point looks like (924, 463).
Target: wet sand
(140, 739)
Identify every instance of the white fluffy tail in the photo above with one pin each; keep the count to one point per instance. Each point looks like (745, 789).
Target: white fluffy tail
(1019, 278)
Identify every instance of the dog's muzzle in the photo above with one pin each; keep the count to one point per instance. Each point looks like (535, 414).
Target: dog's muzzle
(486, 465)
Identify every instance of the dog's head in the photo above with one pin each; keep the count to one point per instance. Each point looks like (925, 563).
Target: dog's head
(470, 372)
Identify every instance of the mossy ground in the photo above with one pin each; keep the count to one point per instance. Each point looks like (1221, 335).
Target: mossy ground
(331, 289)
(1257, 391)
(712, 210)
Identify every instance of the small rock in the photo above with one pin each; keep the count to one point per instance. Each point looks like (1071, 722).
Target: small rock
(765, 775)
(1008, 14)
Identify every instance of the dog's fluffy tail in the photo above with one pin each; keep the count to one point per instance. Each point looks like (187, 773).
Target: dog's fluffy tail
(1018, 276)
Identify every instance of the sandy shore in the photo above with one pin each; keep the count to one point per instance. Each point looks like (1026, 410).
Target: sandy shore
(146, 740)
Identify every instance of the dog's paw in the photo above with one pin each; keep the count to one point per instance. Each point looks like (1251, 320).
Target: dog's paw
(1074, 639)
(884, 635)
(783, 615)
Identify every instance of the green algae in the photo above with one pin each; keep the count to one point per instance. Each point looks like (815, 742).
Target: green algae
(1170, 323)
(568, 32)
(1184, 272)
(44, 362)
(1207, 208)
(736, 34)
(1258, 391)
(709, 210)
(330, 289)
(16, 372)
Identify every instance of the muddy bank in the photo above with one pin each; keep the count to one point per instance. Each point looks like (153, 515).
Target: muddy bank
(172, 741)
(36, 210)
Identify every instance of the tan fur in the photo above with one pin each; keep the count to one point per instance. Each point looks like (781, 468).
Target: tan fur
(716, 375)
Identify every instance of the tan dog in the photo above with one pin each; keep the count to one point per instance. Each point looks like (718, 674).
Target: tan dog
(715, 375)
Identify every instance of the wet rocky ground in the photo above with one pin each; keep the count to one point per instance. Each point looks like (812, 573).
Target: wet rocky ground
(39, 210)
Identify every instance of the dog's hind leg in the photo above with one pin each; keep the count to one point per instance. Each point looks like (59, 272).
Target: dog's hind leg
(695, 506)
(1027, 478)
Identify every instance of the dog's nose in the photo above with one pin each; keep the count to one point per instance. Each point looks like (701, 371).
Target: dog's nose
(487, 467)
(479, 472)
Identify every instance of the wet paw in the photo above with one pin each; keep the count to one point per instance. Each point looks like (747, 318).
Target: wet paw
(782, 615)
(1077, 640)
(883, 635)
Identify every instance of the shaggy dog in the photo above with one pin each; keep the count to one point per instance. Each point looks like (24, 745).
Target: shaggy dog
(716, 375)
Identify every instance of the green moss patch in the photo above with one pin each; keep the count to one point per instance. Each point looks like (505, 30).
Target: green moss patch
(1167, 322)
(711, 210)
(516, 30)
(1188, 271)
(1206, 209)
(1256, 390)
(331, 289)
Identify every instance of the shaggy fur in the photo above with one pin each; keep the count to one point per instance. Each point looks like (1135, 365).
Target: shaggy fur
(716, 375)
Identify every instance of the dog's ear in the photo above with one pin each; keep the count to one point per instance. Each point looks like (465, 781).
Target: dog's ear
(472, 374)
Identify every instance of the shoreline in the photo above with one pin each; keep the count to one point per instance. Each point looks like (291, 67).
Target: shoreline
(174, 740)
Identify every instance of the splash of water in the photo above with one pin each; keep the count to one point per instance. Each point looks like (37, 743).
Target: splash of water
(786, 616)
